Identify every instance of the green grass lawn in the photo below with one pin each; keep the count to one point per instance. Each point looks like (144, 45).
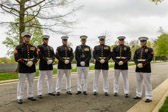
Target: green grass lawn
(14, 75)
(164, 108)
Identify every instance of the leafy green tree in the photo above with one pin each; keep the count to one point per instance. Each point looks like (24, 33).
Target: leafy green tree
(12, 39)
(162, 46)
(54, 14)
(156, 1)
(7, 60)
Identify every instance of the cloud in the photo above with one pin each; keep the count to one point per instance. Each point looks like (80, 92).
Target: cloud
(132, 18)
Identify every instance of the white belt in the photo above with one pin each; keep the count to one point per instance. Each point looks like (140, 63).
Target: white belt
(141, 59)
(102, 57)
(48, 58)
(121, 57)
(66, 58)
(31, 59)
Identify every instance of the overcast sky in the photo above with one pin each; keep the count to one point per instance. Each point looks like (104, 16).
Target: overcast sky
(131, 18)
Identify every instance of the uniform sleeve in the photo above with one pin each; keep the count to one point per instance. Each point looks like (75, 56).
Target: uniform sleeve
(39, 51)
(109, 55)
(77, 54)
(53, 54)
(36, 56)
(149, 57)
(89, 57)
(17, 55)
(128, 54)
(95, 55)
(135, 58)
(42, 54)
(113, 55)
(57, 55)
(72, 55)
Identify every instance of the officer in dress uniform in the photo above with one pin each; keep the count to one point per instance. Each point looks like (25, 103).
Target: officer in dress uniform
(65, 56)
(47, 57)
(27, 56)
(101, 54)
(83, 56)
(142, 58)
(121, 54)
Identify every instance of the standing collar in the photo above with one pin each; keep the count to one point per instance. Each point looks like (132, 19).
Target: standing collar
(144, 47)
(45, 44)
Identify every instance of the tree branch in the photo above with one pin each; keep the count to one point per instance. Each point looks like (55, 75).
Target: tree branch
(9, 8)
(17, 1)
(10, 12)
(35, 5)
(34, 16)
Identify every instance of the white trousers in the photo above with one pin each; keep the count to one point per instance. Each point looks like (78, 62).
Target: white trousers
(59, 79)
(42, 74)
(105, 81)
(84, 71)
(21, 82)
(148, 86)
(116, 81)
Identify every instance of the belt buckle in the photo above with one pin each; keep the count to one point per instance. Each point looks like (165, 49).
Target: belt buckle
(102, 57)
(83, 56)
(120, 57)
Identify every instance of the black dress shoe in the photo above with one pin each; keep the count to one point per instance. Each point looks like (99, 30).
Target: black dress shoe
(137, 97)
(69, 92)
(115, 94)
(106, 94)
(32, 99)
(19, 101)
(40, 96)
(58, 93)
(78, 92)
(148, 100)
(126, 95)
(51, 94)
(95, 93)
(84, 92)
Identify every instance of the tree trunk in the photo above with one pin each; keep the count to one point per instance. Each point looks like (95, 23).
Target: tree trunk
(21, 20)
(21, 24)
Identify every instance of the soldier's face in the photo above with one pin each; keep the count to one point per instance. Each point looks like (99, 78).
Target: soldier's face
(101, 42)
(64, 42)
(83, 41)
(121, 42)
(143, 43)
(27, 39)
(45, 41)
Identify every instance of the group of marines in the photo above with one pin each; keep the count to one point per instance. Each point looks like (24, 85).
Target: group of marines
(28, 55)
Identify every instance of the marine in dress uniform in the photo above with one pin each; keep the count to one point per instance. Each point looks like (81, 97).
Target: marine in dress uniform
(142, 58)
(65, 56)
(121, 54)
(101, 54)
(82, 56)
(47, 57)
(27, 56)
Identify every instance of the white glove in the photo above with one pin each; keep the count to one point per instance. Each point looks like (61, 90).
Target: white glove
(120, 63)
(29, 63)
(82, 63)
(66, 61)
(140, 65)
(49, 62)
(102, 61)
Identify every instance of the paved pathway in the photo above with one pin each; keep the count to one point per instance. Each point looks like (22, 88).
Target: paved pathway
(80, 103)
